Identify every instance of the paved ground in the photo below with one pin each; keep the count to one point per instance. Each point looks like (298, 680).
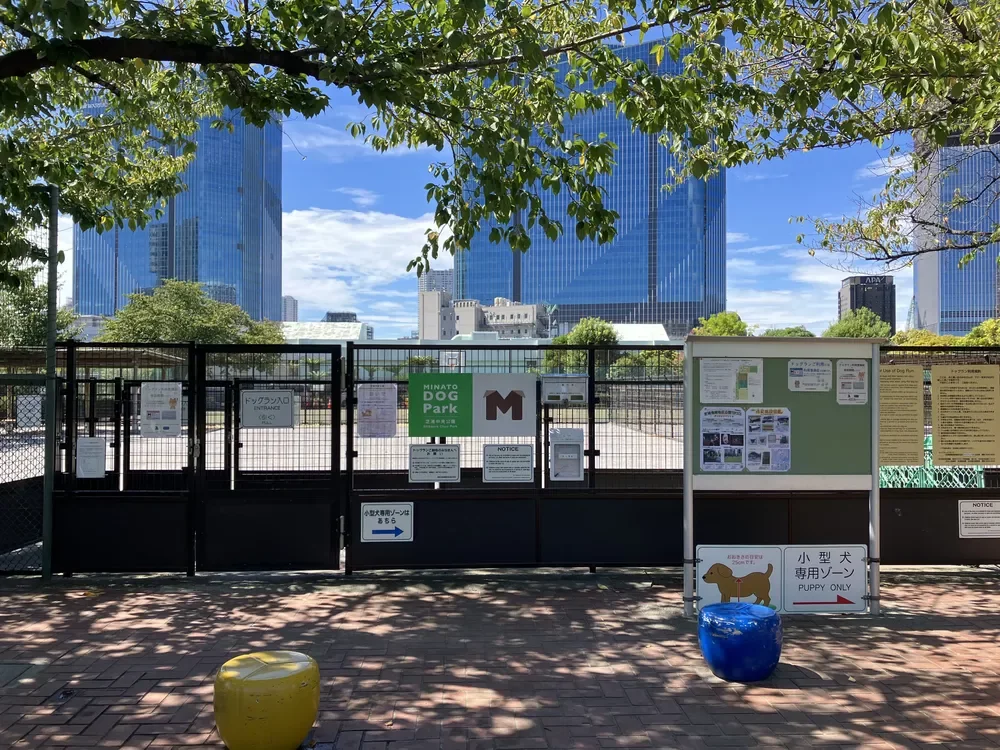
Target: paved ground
(493, 662)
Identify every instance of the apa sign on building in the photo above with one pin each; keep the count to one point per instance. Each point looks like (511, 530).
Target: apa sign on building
(446, 405)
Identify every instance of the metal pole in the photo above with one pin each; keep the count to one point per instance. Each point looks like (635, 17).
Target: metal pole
(51, 385)
(687, 463)
(874, 505)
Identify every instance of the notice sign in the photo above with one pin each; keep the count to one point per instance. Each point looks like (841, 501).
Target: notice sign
(435, 463)
(964, 401)
(810, 375)
(265, 409)
(731, 381)
(377, 410)
(508, 463)
(386, 522)
(901, 415)
(160, 410)
(769, 439)
(825, 578)
(978, 519)
(722, 438)
(91, 457)
(852, 382)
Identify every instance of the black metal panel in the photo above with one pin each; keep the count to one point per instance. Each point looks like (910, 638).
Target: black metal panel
(920, 527)
(610, 530)
(829, 518)
(740, 518)
(457, 531)
(118, 533)
(21, 512)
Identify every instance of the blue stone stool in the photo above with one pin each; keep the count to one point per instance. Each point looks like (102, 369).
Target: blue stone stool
(740, 642)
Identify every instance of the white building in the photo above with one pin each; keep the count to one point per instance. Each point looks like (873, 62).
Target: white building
(437, 281)
(289, 309)
(435, 316)
(440, 318)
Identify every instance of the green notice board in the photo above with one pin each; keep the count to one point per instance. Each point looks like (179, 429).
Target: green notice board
(826, 437)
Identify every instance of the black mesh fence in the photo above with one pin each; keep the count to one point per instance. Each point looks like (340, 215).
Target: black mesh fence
(22, 472)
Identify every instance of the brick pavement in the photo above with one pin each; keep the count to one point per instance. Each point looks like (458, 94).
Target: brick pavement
(494, 662)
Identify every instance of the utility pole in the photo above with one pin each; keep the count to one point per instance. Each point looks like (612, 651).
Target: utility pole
(51, 384)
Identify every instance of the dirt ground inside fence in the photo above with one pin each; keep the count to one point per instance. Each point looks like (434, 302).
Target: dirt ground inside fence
(494, 661)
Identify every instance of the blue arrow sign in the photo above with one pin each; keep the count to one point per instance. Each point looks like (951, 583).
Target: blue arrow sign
(395, 531)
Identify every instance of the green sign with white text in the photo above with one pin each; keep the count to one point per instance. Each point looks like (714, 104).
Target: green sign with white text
(440, 405)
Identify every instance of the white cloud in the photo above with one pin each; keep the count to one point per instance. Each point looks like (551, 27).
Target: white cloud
(734, 237)
(758, 249)
(359, 196)
(331, 143)
(902, 164)
(757, 176)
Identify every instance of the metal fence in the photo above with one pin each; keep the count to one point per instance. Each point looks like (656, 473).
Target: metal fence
(22, 471)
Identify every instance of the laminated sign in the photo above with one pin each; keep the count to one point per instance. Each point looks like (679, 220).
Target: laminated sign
(445, 405)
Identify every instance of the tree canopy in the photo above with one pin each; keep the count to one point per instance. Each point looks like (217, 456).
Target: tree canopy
(859, 324)
(24, 311)
(920, 337)
(490, 83)
(986, 333)
(722, 324)
(588, 332)
(180, 311)
(794, 332)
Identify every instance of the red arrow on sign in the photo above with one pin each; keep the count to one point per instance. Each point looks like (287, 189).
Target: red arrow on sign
(840, 600)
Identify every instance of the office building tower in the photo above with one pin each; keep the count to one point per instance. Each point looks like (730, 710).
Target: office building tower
(437, 281)
(877, 293)
(340, 317)
(223, 230)
(666, 265)
(951, 297)
(289, 309)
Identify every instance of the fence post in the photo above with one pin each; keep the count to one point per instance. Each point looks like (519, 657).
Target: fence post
(194, 400)
(874, 497)
(687, 457)
(51, 385)
(349, 454)
(591, 419)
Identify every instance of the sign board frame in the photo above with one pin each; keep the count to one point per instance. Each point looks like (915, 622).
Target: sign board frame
(398, 516)
(257, 416)
(986, 526)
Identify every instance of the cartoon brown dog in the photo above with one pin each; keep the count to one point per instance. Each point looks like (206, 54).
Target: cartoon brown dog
(757, 585)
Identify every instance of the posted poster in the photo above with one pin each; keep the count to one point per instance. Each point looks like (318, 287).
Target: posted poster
(377, 410)
(731, 381)
(901, 415)
(160, 410)
(852, 382)
(964, 401)
(722, 438)
(810, 375)
(769, 439)
(91, 457)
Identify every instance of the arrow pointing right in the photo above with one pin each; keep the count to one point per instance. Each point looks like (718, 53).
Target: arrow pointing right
(840, 600)
(395, 531)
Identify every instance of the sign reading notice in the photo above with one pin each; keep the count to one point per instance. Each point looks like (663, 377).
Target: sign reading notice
(964, 401)
(508, 463)
(901, 415)
(731, 381)
(435, 463)
(377, 410)
(769, 439)
(91, 457)
(386, 522)
(265, 409)
(978, 518)
(160, 409)
(722, 438)
(445, 405)
(810, 375)
(852, 382)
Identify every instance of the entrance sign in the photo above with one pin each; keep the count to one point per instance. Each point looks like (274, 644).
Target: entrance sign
(825, 578)
(509, 463)
(810, 375)
(723, 436)
(901, 415)
(852, 381)
(386, 522)
(769, 439)
(564, 389)
(160, 409)
(91, 457)
(964, 402)
(266, 409)
(377, 410)
(446, 405)
(435, 463)
(978, 519)
(732, 381)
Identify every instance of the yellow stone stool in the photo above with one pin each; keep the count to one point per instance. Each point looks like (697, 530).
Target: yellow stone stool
(267, 700)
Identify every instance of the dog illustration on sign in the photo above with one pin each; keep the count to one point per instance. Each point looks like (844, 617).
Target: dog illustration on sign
(757, 584)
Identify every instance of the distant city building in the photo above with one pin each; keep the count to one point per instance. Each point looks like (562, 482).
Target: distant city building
(667, 263)
(949, 298)
(437, 281)
(289, 309)
(435, 316)
(91, 326)
(326, 333)
(877, 293)
(440, 318)
(340, 317)
(224, 230)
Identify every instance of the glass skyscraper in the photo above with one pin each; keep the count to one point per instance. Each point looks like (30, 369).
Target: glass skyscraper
(667, 264)
(949, 299)
(223, 231)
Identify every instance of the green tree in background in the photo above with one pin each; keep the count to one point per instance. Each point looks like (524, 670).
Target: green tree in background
(986, 333)
(792, 332)
(649, 364)
(180, 311)
(722, 324)
(859, 324)
(588, 332)
(920, 337)
(24, 311)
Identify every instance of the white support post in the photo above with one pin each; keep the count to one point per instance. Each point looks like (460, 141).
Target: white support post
(690, 432)
(874, 524)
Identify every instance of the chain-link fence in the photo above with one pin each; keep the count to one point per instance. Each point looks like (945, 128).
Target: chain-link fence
(22, 472)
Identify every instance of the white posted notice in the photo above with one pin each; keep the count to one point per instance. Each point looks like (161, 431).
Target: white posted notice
(265, 409)
(978, 518)
(377, 410)
(91, 457)
(769, 439)
(731, 381)
(852, 382)
(160, 409)
(435, 463)
(810, 375)
(722, 438)
(386, 522)
(509, 463)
